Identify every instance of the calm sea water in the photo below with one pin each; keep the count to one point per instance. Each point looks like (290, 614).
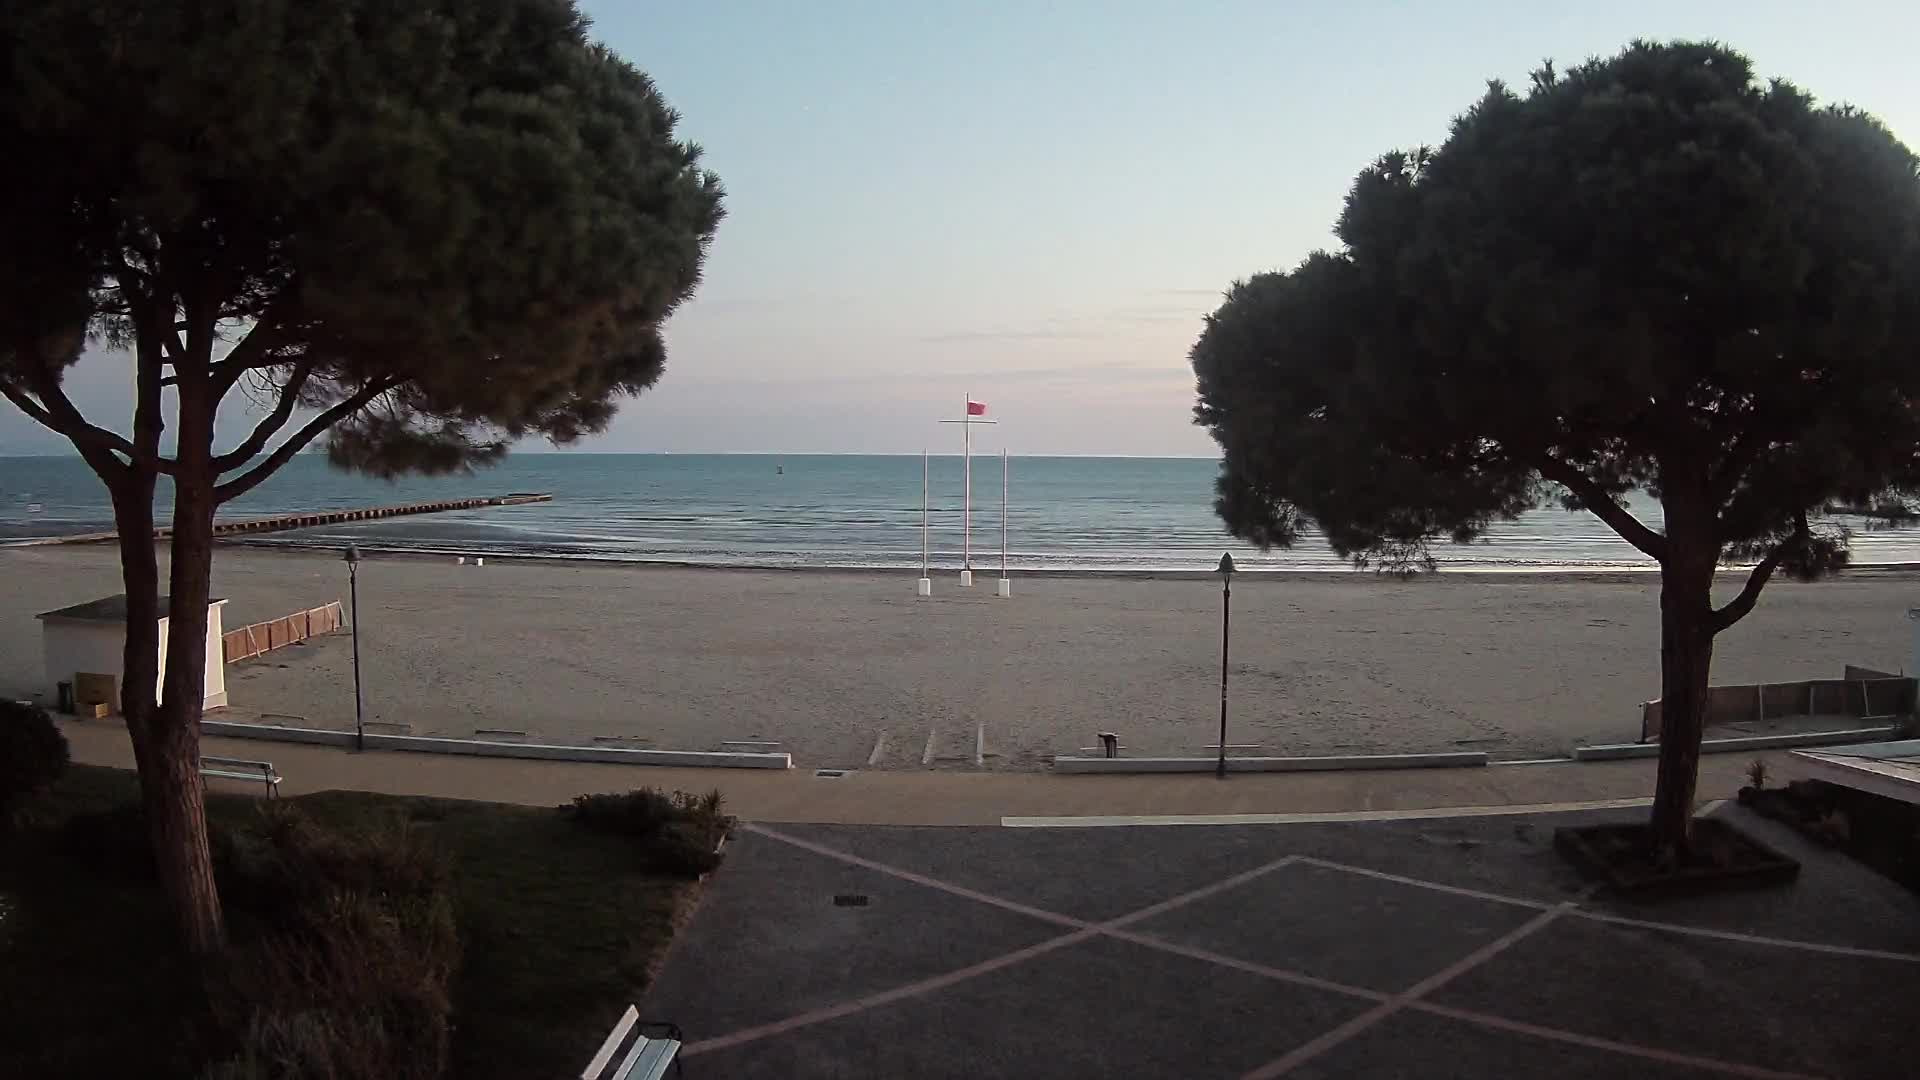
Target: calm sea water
(753, 510)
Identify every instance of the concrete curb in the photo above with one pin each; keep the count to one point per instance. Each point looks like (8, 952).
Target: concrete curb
(692, 759)
(1122, 765)
(1619, 751)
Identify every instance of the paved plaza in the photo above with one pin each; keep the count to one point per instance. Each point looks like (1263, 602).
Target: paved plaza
(1446, 947)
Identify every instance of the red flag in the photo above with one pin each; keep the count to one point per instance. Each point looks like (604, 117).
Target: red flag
(976, 408)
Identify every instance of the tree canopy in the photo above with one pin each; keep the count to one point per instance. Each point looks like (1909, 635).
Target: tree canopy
(467, 214)
(427, 228)
(1651, 272)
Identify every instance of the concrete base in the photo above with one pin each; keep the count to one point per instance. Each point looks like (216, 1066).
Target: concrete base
(1617, 751)
(925, 588)
(1006, 588)
(1458, 759)
(966, 579)
(483, 748)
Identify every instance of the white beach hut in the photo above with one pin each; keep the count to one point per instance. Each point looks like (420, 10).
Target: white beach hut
(91, 637)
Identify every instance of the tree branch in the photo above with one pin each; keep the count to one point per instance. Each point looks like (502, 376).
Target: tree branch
(1596, 499)
(269, 427)
(249, 355)
(1738, 607)
(57, 413)
(284, 453)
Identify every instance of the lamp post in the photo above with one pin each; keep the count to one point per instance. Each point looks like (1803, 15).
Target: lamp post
(352, 557)
(1226, 613)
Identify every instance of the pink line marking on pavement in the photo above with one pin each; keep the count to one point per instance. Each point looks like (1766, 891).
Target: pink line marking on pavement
(1278, 974)
(1750, 939)
(1621, 920)
(1313, 1048)
(1388, 1004)
(920, 879)
(1381, 875)
(898, 993)
(1652, 1053)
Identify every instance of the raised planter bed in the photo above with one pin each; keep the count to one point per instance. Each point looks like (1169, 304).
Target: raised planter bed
(1723, 857)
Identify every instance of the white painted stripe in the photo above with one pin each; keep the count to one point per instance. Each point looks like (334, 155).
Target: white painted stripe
(879, 750)
(1093, 822)
(926, 758)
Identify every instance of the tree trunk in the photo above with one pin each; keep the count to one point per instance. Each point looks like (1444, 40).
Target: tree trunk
(1686, 661)
(176, 804)
(140, 577)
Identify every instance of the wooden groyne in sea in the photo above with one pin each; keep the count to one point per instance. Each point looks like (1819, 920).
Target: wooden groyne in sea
(283, 522)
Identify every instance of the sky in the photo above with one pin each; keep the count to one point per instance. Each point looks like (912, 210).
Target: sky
(1035, 204)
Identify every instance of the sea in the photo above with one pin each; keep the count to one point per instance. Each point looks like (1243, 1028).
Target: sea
(750, 510)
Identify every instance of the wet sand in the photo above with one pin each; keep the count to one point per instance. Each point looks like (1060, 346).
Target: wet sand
(831, 666)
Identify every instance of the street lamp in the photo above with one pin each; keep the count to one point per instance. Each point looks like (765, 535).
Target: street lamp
(352, 557)
(1226, 613)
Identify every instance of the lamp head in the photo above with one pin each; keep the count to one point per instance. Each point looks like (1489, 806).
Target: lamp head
(352, 555)
(1226, 564)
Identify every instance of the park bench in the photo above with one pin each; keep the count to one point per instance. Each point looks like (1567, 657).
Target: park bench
(644, 1051)
(259, 772)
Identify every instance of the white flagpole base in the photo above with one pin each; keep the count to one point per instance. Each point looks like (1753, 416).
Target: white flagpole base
(1006, 587)
(966, 579)
(925, 588)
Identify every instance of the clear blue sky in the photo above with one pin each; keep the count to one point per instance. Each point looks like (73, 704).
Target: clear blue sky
(1035, 203)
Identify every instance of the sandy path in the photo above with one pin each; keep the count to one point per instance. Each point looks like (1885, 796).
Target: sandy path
(826, 664)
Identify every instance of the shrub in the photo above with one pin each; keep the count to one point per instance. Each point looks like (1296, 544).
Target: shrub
(282, 865)
(351, 976)
(677, 832)
(33, 754)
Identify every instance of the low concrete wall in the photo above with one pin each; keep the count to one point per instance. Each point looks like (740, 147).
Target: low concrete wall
(1616, 751)
(691, 759)
(1458, 759)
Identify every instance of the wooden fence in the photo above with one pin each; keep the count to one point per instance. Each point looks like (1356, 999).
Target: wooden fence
(1862, 693)
(251, 641)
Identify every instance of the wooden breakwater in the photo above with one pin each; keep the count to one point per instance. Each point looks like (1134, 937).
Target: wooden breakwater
(283, 522)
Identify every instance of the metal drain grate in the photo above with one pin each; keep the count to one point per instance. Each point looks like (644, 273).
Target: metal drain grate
(829, 774)
(850, 900)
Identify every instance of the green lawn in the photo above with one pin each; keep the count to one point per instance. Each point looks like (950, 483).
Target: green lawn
(559, 927)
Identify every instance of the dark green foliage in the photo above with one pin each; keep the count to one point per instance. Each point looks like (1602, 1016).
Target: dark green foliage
(1649, 272)
(677, 833)
(559, 928)
(33, 754)
(427, 228)
(471, 205)
(1652, 272)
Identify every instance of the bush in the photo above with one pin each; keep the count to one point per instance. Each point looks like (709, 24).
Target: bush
(677, 832)
(351, 976)
(279, 868)
(33, 754)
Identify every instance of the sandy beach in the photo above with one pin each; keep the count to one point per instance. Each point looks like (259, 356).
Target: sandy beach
(831, 666)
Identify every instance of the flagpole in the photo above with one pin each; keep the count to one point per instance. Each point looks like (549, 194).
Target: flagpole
(1006, 587)
(966, 512)
(925, 586)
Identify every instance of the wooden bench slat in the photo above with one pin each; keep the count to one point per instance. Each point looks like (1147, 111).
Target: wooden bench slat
(598, 1065)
